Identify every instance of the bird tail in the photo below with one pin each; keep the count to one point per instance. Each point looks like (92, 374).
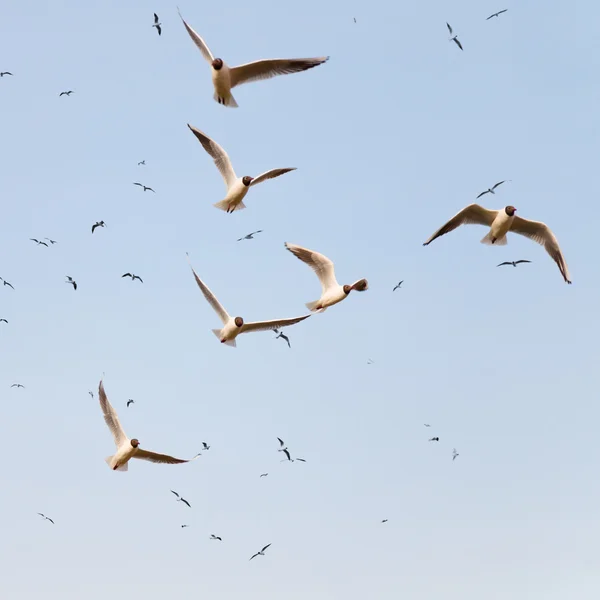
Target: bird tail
(487, 240)
(217, 332)
(225, 204)
(229, 101)
(313, 305)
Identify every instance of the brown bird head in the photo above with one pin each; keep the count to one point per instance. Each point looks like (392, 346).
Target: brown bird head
(217, 64)
(347, 289)
(361, 285)
(510, 211)
(238, 321)
(134, 442)
(247, 180)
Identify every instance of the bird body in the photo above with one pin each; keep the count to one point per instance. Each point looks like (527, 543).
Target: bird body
(260, 553)
(397, 286)
(250, 236)
(514, 263)
(3, 73)
(133, 277)
(66, 93)
(98, 224)
(144, 187)
(157, 24)
(497, 14)
(490, 190)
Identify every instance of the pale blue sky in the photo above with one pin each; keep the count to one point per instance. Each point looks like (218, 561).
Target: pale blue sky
(396, 133)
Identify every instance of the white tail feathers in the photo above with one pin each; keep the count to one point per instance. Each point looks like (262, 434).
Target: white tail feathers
(217, 332)
(109, 462)
(488, 240)
(225, 204)
(313, 305)
(230, 101)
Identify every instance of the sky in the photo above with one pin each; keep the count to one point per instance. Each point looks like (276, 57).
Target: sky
(391, 137)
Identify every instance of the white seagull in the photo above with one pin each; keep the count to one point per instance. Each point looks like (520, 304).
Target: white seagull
(500, 223)
(225, 78)
(128, 448)
(237, 187)
(233, 326)
(332, 292)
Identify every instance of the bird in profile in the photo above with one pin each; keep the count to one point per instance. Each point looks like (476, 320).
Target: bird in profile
(133, 277)
(66, 93)
(491, 190)
(142, 163)
(145, 187)
(260, 553)
(51, 241)
(331, 291)
(454, 454)
(129, 448)
(384, 520)
(17, 385)
(184, 526)
(130, 401)
(3, 73)
(250, 235)
(454, 38)
(434, 439)
(157, 24)
(72, 282)
(237, 187)
(514, 263)
(205, 446)
(398, 285)
(263, 475)
(497, 14)
(38, 242)
(181, 499)
(46, 518)
(215, 537)
(98, 224)
(282, 336)
(4, 282)
(500, 223)
(225, 78)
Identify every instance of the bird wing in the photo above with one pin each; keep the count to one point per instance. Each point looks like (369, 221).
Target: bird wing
(161, 458)
(540, 232)
(211, 299)
(265, 69)
(265, 547)
(266, 325)
(254, 556)
(137, 277)
(458, 43)
(502, 11)
(449, 28)
(34, 240)
(483, 193)
(158, 28)
(491, 17)
(319, 263)
(522, 261)
(155, 18)
(49, 519)
(186, 502)
(470, 215)
(111, 418)
(126, 275)
(200, 43)
(269, 175)
(218, 155)
(285, 451)
(174, 492)
(140, 184)
(499, 183)
(504, 263)
(281, 442)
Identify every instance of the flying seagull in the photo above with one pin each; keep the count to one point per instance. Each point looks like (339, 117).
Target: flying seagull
(215, 537)
(38, 242)
(233, 326)
(331, 291)
(500, 223)
(133, 277)
(66, 93)
(142, 163)
(427, 424)
(72, 282)
(146, 188)
(263, 475)
(46, 518)
(491, 190)
(185, 526)
(282, 336)
(205, 446)
(454, 454)
(399, 284)
(6, 73)
(384, 520)
(181, 499)
(157, 24)
(98, 224)
(434, 439)
(3, 321)
(4, 282)
(514, 263)
(249, 236)
(225, 78)
(497, 14)
(128, 448)
(237, 187)
(91, 393)
(130, 401)
(261, 553)
(51, 241)
(454, 38)
(17, 385)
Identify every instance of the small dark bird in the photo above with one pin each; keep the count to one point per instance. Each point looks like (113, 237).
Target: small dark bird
(261, 553)
(91, 393)
(181, 499)
(146, 188)
(263, 475)
(355, 19)
(3, 321)
(491, 190)
(427, 424)
(215, 537)
(4, 282)
(142, 163)
(133, 277)
(282, 336)
(370, 361)
(384, 521)
(72, 282)
(454, 454)
(51, 241)
(399, 284)
(185, 526)
(300, 459)
(46, 518)
(130, 401)
(514, 263)
(497, 14)
(206, 446)
(249, 236)
(66, 93)
(434, 439)
(17, 385)
(6, 73)
(38, 242)
(455, 38)
(157, 24)
(98, 224)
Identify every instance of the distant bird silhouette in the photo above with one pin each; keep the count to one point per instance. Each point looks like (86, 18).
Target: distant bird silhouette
(146, 188)
(370, 361)
(46, 518)
(91, 393)
(130, 401)
(157, 24)
(4, 282)
(17, 385)
(384, 521)
(261, 553)
(399, 284)
(427, 424)
(286, 452)
(355, 19)
(51, 241)
(514, 263)
(455, 38)
(3, 321)
(181, 499)
(215, 537)
(491, 190)
(38, 242)
(282, 336)
(98, 224)
(497, 14)
(454, 454)
(249, 236)
(66, 93)
(142, 163)
(263, 475)
(206, 446)
(434, 439)
(5, 73)
(72, 282)
(185, 526)
(133, 277)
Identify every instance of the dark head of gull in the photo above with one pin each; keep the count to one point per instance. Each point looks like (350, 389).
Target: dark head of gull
(247, 180)
(510, 211)
(239, 321)
(134, 442)
(217, 64)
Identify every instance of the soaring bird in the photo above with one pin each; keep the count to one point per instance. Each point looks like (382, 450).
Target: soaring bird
(261, 553)
(500, 223)
(181, 499)
(145, 187)
(263, 475)
(233, 326)
(225, 78)
(434, 439)
(4, 282)
(397, 286)
(72, 282)
(51, 241)
(157, 24)
(384, 520)
(250, 235)
(66, 93)
(237, 187)
(46, 518)
(91, 394)
(133, 277)
(184, 526)
(38, 242)
(128, 448)
(142, 163)
(215, 537)
(497, 14)
(3, 321)
(282, 336)
(370, 361)
(98, 224)
(17, 385)
(332, 292)
(514, 263)
(130, 401)
(453, 38)
(3, 73)
(427, 424)
(454, 454)
(205, 446)
(491, 190)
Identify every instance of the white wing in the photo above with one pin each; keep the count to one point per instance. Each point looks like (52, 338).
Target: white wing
(111, 418)
(265, 69)
(270, 175)
(199, 42)
(212, 300)
(266, 325)
(472, 214)
(218, 155)
(161, 458)
(540, 232)
(319, 263)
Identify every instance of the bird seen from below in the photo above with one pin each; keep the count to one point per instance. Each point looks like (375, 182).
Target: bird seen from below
(4, 283)
(133, 277)
(263, 475)
(282, 336)
(71, 281)
(181, 499)
(46, 518)
(205, 446)
(497, 14)
(514, 263)
(453, 38)
(98, 224)
(142, 163)
(398, 285)
(145, 187)
(157, 24)
(384, 520)
(491, 190)
(250, 236)
(17, 385)
(38, 242)
(3, 73)
(66, 93)
(130, 401)
(434, 439)
(260, 553)
(3, 321)
(215, 537)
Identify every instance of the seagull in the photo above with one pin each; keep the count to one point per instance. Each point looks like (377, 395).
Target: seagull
(51, 241)
(142, 163)
(17, 385)
(4, 282)
(237, 187)
(434, 439)
(3, 321)
(181, 499)
(225, 78)
(263, 475)
(399, 284)
(38, 242)
(146, 188)
(6, 73)
(500, 223)
(332, 291)
(281, 445)
(206, 446)
(233, 326)
(46, 518)
(370, 361)
(133, 277)
(282, 336)
(91, 393)
(249, 236)
(454, 454)
(72, 282)
(215, 537)
(427, 424)
(497, 14)
(384, 521)
(455, 38)
(354, 19)
(98, 224)
(514, 263)
(157, 24)
(491, 190)
(66, 93)
(185, 526)
(128, 448)
(130, 401)
(261, 553)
